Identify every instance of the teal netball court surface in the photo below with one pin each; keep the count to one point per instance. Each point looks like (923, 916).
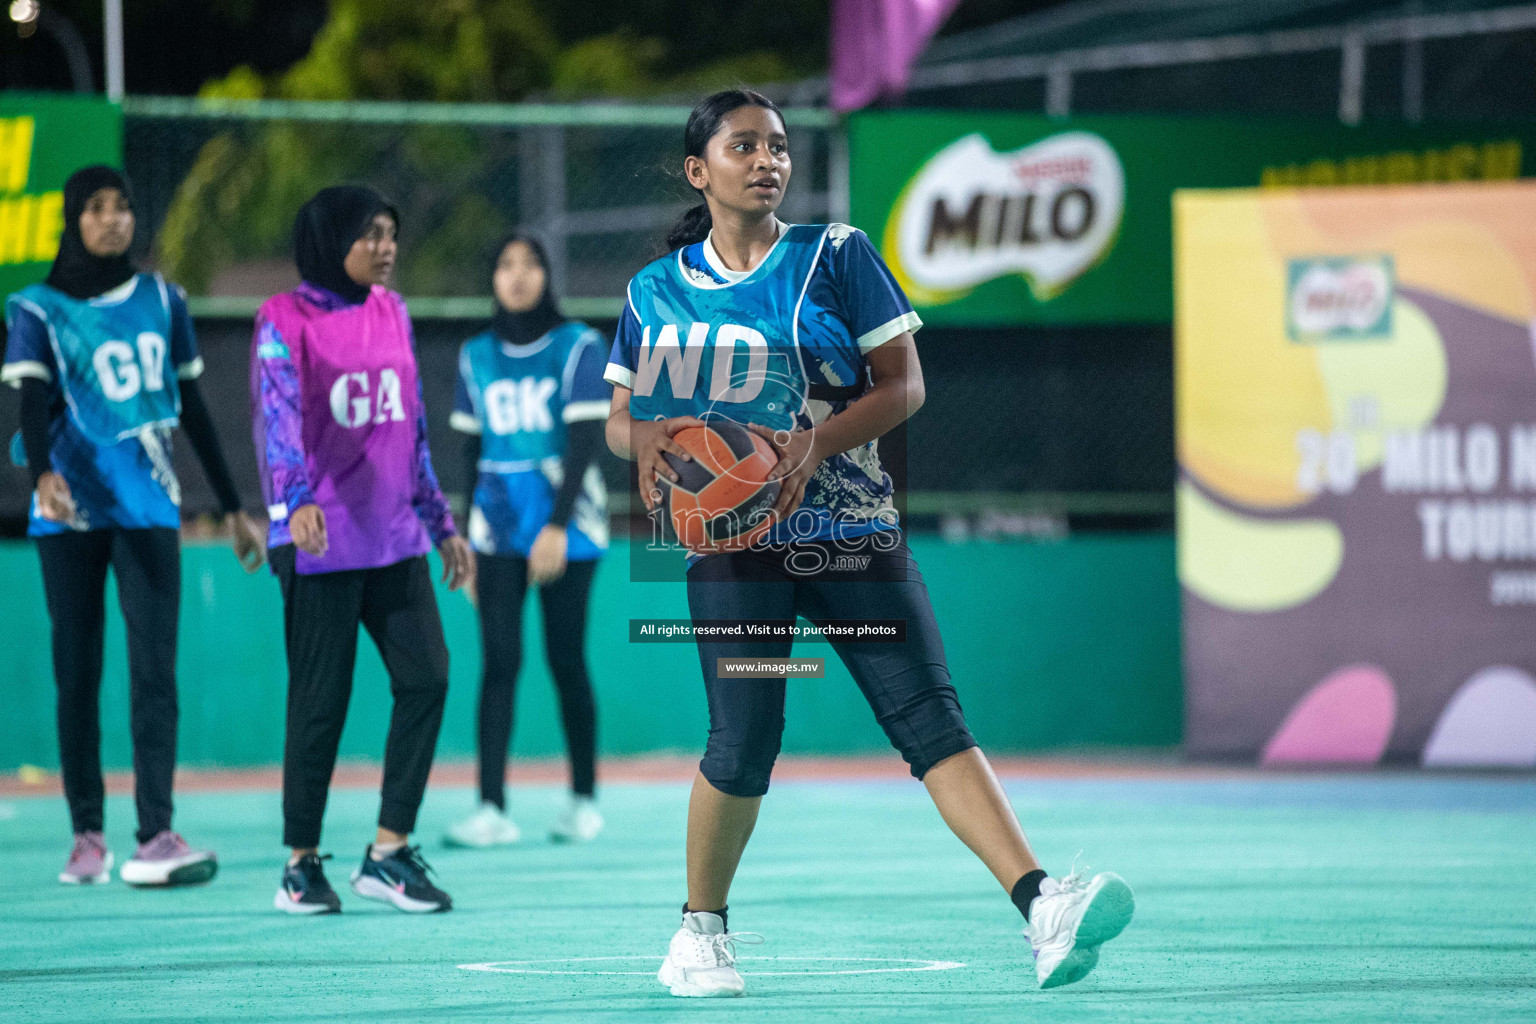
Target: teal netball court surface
(1389, 898)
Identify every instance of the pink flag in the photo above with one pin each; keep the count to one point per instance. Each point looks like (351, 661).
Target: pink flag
(874, 44)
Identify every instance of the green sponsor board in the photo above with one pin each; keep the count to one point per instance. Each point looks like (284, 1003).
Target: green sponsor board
(995, 219)
(43, 140)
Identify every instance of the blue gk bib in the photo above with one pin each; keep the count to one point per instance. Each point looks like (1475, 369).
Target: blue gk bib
(520, 393)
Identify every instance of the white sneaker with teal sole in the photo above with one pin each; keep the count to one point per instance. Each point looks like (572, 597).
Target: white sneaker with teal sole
(701, 961)
(580, 823)
(1071, 919)
(487, 827)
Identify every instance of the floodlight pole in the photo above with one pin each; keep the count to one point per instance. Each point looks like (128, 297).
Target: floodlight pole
(1352, 79)
(76, 56)
(112, 19)
(1413, 67)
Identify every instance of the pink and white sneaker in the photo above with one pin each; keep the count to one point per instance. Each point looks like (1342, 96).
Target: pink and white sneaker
(167, 860)
(90, 862)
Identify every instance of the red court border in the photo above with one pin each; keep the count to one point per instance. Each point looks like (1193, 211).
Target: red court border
(664, 768)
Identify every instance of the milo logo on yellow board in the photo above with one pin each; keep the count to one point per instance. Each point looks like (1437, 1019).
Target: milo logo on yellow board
(1048, 212)
(1339, 299)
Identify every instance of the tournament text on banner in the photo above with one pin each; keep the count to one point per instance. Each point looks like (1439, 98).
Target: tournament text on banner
(1356, 419)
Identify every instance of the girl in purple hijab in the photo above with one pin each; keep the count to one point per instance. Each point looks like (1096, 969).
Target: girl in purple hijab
(341, 439)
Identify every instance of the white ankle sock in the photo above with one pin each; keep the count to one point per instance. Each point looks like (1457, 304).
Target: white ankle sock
(383, 850)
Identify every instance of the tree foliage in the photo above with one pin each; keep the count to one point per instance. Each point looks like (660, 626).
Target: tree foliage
(457, 187)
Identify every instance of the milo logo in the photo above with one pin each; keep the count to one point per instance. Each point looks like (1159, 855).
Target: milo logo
(1048, 212)
(1339, 299)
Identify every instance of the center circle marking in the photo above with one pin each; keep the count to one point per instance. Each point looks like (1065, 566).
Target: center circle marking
(553, 965)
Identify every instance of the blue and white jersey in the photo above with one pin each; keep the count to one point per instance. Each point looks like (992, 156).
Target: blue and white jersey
(114, 360)
(519, 398)
(697, 338)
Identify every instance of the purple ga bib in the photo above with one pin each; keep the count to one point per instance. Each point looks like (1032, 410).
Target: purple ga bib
(360, 401)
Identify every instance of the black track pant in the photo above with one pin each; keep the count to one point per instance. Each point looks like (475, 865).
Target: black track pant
(907, 684)
(502, 582)
(321, 613)
(148, 568)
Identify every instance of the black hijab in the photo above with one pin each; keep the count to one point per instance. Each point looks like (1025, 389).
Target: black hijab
(531, 324)
(75, 271)
(325, 229)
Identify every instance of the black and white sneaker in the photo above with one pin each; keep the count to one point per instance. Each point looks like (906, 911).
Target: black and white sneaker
(304, 889)
(400, 879)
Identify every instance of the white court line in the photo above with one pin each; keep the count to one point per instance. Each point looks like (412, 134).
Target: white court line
(527, 966)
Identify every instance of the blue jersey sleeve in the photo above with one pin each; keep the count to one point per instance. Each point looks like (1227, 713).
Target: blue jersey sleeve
(465, 417)
(620, 370)
(587, 395)
(872, 304)
(28, 352)
(189, 365)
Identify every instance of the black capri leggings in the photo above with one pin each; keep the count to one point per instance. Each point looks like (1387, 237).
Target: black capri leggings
(502, 583)
(148, 567)
(907, 684)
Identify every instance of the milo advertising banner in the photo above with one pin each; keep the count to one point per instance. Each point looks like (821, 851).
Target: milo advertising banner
(43, 140)
(1356, 419)
(995, 219)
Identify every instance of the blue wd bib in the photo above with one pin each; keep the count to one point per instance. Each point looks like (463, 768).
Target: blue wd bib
(733, 350)
(772, 348)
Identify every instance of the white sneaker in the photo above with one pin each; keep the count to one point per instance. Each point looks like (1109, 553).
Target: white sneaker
(701, 961)
(1070, 919)
(579, 824)
(167, 860)
(489, 826)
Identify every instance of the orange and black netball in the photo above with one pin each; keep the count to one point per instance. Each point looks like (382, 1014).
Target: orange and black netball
(723, 498)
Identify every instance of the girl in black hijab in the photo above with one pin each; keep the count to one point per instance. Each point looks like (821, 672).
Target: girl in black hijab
(340, 427)
(525, 325)
(325, 231)
(76, 271)
(96, 421)
(532, 400)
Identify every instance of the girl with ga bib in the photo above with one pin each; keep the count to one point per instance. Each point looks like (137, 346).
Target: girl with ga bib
(801, 332)
(341, 439)
(107, 364)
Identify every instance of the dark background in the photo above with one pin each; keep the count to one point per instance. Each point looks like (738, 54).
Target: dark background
(1068, 409)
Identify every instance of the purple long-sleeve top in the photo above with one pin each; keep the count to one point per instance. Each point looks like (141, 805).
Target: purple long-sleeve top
(339, 421)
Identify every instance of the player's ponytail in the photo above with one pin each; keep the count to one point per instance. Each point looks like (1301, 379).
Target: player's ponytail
(693, 226)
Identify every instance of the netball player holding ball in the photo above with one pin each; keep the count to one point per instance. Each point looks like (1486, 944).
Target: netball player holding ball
(802, 332)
